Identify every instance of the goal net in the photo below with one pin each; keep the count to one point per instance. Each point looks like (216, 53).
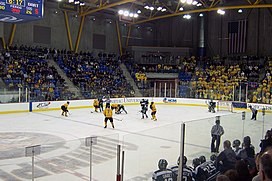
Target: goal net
(224, 106)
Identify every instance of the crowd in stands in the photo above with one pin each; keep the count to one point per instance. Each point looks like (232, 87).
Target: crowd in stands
(212, 78)
(26, 69)
(234, 163)
(216, 82)
(95, 76)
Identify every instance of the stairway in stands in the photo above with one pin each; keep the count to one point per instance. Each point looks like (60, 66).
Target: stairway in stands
(72, 87)
(2, 84)
(130, 80)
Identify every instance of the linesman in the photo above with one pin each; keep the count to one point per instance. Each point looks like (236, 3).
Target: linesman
(216, 132)
(254, 113)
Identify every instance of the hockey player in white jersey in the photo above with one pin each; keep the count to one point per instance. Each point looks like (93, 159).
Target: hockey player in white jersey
(206, 171)
(187, 174)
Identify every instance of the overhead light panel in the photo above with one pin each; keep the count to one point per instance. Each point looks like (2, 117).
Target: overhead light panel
(189, 1)
(163, 10)
(187, 16)
(126, 13)
(159, 8)
(201, 15)
(146, 7)
(240, 11)
(181, 9)
(221, 12)
(194, 3)
(199, 4)
(139, 11)
(135, 15)
(131, 15)
(183, 1)
(121, 12)
(151, 8)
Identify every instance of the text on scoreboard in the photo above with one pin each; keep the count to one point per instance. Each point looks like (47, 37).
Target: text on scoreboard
(23, 7)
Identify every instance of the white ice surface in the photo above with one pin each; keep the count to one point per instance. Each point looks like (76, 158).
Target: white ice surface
(144, 141)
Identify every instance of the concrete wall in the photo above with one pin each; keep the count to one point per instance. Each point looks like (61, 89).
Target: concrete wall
(24, 32)
(177, 31)
(258, 32)
(173, 32)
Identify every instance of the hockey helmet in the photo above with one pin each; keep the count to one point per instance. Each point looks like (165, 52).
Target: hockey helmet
(184, 160)
(247, 140)
(202, 159)
(236, 143)
(68, 102)
(213, 157)
(196, 162)
(162, 164)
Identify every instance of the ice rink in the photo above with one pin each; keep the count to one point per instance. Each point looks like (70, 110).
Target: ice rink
(65, 157)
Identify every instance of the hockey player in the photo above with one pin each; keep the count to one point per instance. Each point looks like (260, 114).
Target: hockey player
(254, 113)
(206, 171)
(144, 106)
(120, 109)
(64, 109)
(113, 107)
(163, 173)
(96, 105)
(236, 147)
(108, 101)
(108, 116)
(196, 162)
(211, 106)
(187, 171)
(100, 100)
(153, 111)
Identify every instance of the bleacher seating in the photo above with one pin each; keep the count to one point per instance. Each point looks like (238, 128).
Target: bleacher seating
(26, 70)
(95, 76)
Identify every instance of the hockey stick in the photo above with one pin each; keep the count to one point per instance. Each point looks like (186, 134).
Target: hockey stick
(118, 119)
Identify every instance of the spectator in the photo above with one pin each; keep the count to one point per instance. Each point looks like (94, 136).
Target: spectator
(242, 170)
(265, 170)
(232, 175)
(222, 178)
(267, 142)
(226, 159)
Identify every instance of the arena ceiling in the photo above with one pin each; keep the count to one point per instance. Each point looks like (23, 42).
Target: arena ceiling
(166, 8)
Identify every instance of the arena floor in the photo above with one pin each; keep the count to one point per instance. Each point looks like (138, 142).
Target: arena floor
(64, 155)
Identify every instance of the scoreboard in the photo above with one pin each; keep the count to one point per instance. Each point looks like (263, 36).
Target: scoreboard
(20, 10)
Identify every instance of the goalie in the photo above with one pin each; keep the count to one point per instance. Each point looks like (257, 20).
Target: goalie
(211, 106)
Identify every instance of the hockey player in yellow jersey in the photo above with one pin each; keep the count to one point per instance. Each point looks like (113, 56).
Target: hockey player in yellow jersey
(153, 111)
(108, 116)
(96, 105)
(64, 109)
(114, 107)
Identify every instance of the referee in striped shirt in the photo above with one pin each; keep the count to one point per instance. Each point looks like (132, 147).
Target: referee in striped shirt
(216, 133)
